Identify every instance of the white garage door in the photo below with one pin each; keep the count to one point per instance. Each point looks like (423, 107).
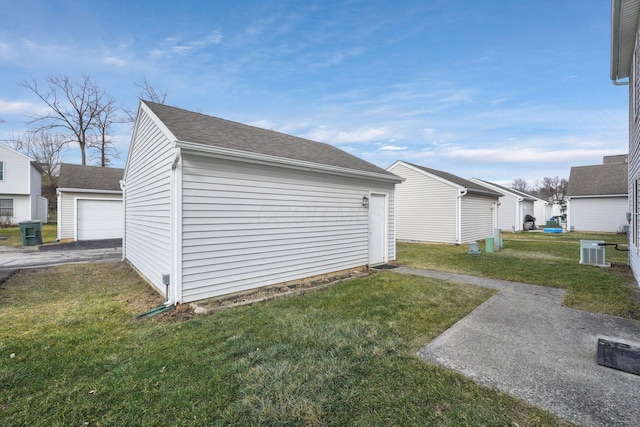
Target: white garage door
(99, 219)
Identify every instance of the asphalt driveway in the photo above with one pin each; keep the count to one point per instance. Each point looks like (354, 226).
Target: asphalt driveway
(524, 342)
(15, 258)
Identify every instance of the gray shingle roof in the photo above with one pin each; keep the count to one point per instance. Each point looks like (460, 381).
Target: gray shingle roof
(471, 187)
(598, 180)
(522, 194)
(188, 126)
(90, 177)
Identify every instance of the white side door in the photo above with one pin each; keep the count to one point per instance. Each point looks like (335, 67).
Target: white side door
(377, 229)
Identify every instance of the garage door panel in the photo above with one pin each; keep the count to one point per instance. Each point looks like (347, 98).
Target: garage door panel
(99, 219)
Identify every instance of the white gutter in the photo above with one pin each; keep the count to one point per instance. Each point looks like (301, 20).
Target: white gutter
(85, 190)
(461, 193)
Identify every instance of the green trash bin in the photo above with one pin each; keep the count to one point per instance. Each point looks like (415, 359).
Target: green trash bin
(31, 233)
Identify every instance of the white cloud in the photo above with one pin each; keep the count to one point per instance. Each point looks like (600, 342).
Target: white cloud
(392, 148)
(322, 133)
(112, 60)
(526, 155)
(21, 107)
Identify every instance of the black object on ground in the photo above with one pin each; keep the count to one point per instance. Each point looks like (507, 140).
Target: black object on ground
(86, 244)
(384, 267)
(616, 355)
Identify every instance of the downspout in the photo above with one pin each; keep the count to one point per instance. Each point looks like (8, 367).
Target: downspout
(461, 193)
(519, 217)
(568, 213)
(58, 213)
(175, 207)
(124, 220)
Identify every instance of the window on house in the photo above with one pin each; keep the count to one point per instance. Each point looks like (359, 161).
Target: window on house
(1, 171)
(6, 207)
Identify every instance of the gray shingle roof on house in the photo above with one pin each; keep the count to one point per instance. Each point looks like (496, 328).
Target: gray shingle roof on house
(598, 180)
(90, 177)
(471, 187)
(522, 194)
(188, 126)
(619, 158)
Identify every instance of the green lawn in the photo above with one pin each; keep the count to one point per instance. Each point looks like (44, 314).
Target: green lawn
(14, 238)
(543, 259)
(71, 353)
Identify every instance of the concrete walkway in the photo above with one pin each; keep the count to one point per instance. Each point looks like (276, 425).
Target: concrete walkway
(15, 258)
(524, 342)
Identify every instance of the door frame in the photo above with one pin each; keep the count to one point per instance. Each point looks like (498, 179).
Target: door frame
(385, 231)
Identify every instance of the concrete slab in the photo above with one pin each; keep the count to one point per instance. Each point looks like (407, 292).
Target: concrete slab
(524, 342)
(14, 258)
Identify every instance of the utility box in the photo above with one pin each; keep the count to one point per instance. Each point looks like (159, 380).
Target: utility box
(592, 253)
(31, 233)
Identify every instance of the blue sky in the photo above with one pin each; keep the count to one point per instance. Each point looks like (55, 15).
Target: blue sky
(491, 89)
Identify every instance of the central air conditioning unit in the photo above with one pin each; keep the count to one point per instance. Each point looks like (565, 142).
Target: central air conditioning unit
(592, 253)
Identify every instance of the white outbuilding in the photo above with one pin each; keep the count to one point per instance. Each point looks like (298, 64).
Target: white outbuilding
(215, 207)
(514, 206)
(436, 206)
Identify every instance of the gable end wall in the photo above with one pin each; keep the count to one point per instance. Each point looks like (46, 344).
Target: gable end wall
(147, 201)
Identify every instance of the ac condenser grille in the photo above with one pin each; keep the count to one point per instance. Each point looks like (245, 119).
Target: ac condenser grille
(592, 253)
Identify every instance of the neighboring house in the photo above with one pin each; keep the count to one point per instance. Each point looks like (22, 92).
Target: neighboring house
(514, 206)
(214, 207)
(20, 188)
(436, 206)
(89, 203)
(625, 64)
(597, 196)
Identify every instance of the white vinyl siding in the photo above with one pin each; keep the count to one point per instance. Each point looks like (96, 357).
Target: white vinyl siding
(67, 210)
(425, 208)
(16, 171)
(507, 213)
(603, 214)
(148, 201)
(246, 225)
(477, 217)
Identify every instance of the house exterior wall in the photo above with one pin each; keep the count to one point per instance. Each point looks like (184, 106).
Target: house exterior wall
(67, 210)
(542, 212)
(147, 201)
(528, 208)
(35, 179)
(477, 217)
(602, 214)
(21, 183)
(17, 172)
(21, 207)
(247, 225)
(634, 161)
(507, 212)
(425, 208)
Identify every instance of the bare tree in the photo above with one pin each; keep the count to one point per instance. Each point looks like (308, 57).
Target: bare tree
(102, 141)
(48, 149)
(521, 185)
(553, 189)
(148, 92)
(75, 107)
(151, 93)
